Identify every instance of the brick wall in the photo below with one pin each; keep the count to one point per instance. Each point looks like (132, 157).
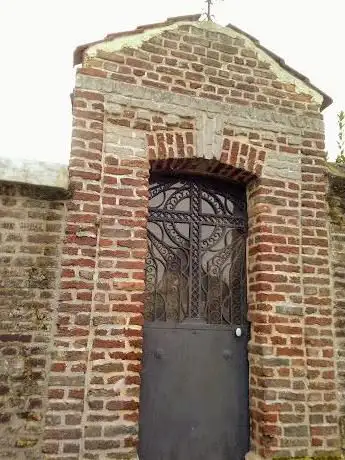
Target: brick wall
(199, 98)
(336, 199)
(202, 99)
(31, 229)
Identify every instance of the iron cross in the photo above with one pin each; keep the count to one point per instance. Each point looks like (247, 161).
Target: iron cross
(209, 4)
(209, 7)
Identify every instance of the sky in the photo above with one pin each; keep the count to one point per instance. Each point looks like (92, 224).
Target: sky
(38, 38)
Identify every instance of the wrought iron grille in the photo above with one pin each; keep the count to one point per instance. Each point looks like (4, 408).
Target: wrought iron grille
(195, 268)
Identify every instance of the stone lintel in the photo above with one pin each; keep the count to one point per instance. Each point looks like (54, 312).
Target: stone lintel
(184, 105)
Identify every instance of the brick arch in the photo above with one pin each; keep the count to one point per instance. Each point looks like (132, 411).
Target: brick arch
(243, 155)
(175, 151)
(171, 144)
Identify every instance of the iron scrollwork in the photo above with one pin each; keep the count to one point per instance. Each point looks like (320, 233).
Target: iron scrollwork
(195, 268)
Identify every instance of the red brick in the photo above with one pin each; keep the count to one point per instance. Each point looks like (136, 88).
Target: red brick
(103, 343)
(100, 298)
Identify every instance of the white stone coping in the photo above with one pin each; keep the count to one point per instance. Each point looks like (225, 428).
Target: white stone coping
(34, 172)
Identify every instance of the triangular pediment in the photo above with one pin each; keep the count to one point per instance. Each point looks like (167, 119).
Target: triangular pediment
(234, 50)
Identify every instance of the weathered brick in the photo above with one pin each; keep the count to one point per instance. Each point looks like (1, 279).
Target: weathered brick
(98, 303)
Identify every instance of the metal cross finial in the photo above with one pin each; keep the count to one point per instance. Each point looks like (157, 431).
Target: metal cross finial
(209, 15)
(209, 4)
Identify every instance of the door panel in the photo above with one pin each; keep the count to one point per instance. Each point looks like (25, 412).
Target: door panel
(194, 393)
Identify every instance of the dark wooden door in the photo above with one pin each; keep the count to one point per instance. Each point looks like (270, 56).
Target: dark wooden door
(194, 394)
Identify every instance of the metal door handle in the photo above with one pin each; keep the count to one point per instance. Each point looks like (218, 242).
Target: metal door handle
(238, 332)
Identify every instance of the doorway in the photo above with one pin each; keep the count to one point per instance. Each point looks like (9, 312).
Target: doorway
(194, 393)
